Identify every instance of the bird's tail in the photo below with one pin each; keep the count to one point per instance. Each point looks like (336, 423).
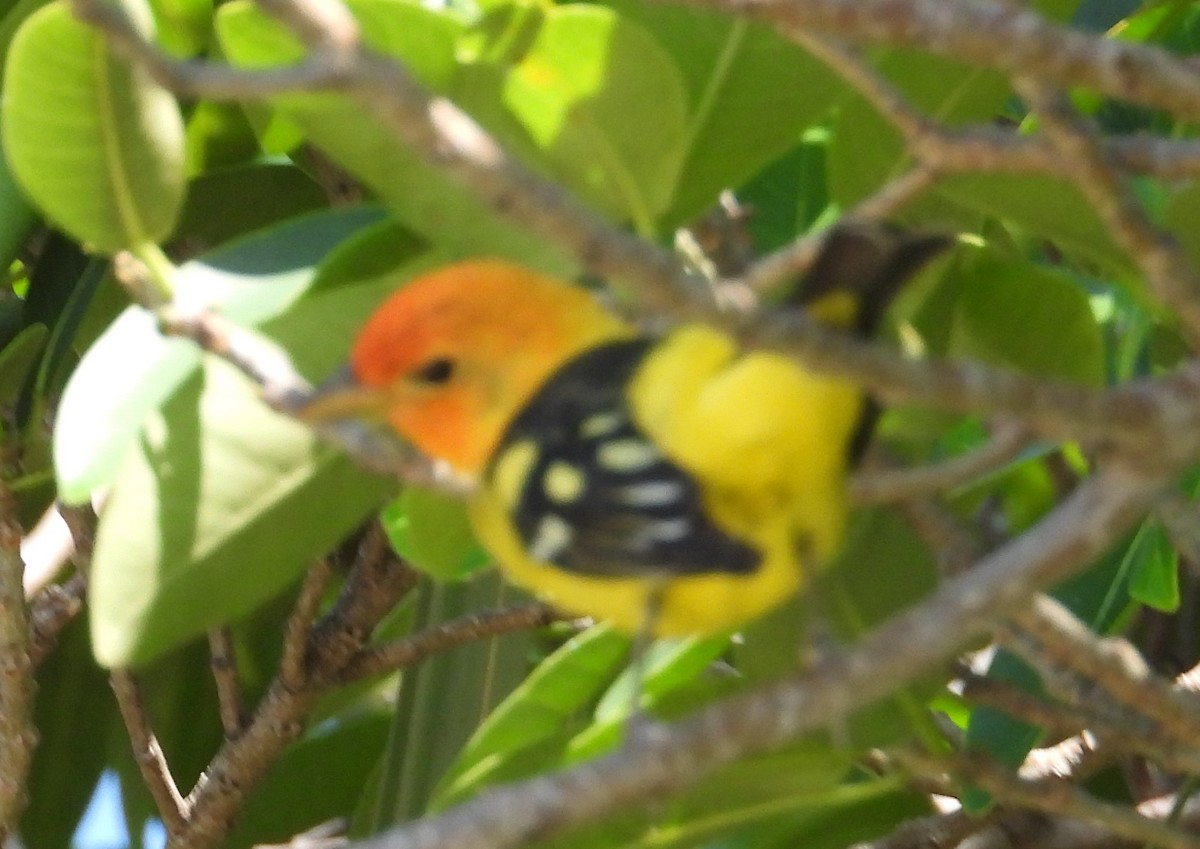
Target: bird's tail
(860, 268)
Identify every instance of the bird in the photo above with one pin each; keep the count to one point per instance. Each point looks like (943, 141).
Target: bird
(671, 481)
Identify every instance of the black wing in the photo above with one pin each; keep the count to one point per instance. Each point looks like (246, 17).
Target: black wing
(600, 498)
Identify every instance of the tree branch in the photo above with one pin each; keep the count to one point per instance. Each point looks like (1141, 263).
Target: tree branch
(388, 657)
(148, 755)
(1112, 663)
(1049, 795)
(876, 485)
(51, 610)
(376, 583)
(17, 735)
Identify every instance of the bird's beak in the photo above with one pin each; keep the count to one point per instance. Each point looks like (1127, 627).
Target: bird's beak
(342, 397)
(352, 417)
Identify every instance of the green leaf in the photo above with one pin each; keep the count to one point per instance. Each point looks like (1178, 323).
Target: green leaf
(442, 700)
(547, 702)
(18, 357)
(12, 317)
(666, 668)
(89, 137)
(422, 38)
(588, 89)
(99, 417)
(735, 72)
(183, 27)
(267, 193)
(219, 135)
(1045, 207)
(17, 217)
(883, 567)
(223, 500)
(431, 530)
(788, 195)
(851, 818)
(1182, 218)
(792, 777)
(14, 13)
(1027, 317)
(372, 252)
(1154, 575)
(801, 796)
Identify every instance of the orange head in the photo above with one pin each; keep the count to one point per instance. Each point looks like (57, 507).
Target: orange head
(453, 356)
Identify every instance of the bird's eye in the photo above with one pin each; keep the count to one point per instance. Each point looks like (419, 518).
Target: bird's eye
(435, 372)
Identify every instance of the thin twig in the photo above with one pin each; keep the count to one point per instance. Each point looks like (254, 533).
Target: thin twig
(206, 79)
(955, 545)
(1166, 159)
(1106, 739)
(1111, 663)
(327, 835)
(293, 665)
(51, 610)
(942, 830)
(388, 657)
(282, 387)
(1020, 704)
(223, 662)
(1048, 795)
(148, 755)
(1181, 518)
(81, 522)
(882, 485)
(1076, 757)
(1148, 418)
(377, 581)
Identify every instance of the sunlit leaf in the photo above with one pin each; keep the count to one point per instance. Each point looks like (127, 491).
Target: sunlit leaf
(99, 417)
(588, 88)
(90, 138)
(536, 713)
(431, 531)
(216, 482)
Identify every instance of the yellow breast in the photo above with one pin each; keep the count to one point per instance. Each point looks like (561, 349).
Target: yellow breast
(765, 441)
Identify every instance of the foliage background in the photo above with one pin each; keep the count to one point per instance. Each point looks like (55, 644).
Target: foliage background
(1042, 417)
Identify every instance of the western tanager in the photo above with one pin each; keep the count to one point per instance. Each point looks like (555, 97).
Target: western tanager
(617, 472)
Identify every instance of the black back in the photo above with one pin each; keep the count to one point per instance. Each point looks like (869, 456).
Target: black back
(629, 506)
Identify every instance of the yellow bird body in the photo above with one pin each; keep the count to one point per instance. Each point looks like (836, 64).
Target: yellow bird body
(618, 473)
(767, 442)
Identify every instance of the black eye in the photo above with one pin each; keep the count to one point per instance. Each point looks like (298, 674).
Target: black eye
(435, 372)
